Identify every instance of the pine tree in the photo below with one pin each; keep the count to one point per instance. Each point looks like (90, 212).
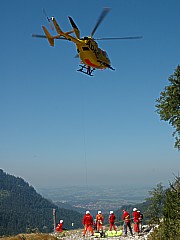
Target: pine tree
(171, 211)
(169, 227)
(154, 211)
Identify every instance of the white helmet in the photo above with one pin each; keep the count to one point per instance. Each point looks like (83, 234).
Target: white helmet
(111, 212)
(99, 212)
(61, 221)
(134, 209)
(87, 212)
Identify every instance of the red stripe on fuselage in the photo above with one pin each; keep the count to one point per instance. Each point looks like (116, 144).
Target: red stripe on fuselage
(88, 62)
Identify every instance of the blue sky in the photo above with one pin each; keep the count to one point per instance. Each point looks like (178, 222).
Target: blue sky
(61, 127)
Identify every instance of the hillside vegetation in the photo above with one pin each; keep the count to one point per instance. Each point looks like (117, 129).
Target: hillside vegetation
(164, 210)
(23, 210)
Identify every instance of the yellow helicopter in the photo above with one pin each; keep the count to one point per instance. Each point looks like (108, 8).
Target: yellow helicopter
(91, 55)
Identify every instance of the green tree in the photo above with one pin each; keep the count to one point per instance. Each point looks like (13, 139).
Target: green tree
(156, 201)
(169, 227)
(168, 105)
(171, 211)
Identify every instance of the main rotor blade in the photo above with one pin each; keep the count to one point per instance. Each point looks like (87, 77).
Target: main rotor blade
(117, 38)
(102, 16)
(76, 30)
(38, 36)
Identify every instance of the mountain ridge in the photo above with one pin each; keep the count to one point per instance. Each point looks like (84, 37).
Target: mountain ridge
(22, 209)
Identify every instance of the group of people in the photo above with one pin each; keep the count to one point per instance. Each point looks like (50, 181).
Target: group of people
(91, 224)
(137, 218)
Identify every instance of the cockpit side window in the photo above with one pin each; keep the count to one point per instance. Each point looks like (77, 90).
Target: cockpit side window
(85, 48)
(99, 50)
(104, 53)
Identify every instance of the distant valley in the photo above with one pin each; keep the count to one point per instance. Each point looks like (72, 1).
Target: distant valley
(93, 198)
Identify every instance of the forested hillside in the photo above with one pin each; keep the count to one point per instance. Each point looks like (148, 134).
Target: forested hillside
(140, 206)
(22, 209)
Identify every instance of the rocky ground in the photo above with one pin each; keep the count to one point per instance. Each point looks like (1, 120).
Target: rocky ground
(75, 234)
(78, 235)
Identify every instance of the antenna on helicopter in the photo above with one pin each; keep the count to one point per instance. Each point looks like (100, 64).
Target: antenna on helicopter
(48, 19)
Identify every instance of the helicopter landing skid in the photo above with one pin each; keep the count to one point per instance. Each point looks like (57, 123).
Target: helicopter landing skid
(88, 69)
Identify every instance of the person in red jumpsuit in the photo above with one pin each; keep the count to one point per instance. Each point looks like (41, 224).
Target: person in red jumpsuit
(112, 219)
(140, 220)
(88, 223)
(99, 221)
(136, 220)
(59, 227)
(127, 222)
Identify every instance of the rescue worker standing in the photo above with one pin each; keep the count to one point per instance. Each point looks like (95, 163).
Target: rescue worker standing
(88, 223)
(112, 219)
(140, 220)
(99, 221)
(59, 227)
(136, 220)
(95, 224)
(127, 222)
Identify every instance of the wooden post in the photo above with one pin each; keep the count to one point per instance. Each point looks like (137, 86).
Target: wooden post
(54, 218)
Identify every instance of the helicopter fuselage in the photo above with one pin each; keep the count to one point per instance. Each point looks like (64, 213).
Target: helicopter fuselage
(87, 48)
(91, 55)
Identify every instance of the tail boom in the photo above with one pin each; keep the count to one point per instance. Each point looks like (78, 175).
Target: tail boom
(57, 27)
(65, 34)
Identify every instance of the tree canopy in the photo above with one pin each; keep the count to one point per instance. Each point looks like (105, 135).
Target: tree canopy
(168, 105)
(165, 212)
(156, 203)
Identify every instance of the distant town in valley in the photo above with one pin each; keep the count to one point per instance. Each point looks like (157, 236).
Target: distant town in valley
(105, 198)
